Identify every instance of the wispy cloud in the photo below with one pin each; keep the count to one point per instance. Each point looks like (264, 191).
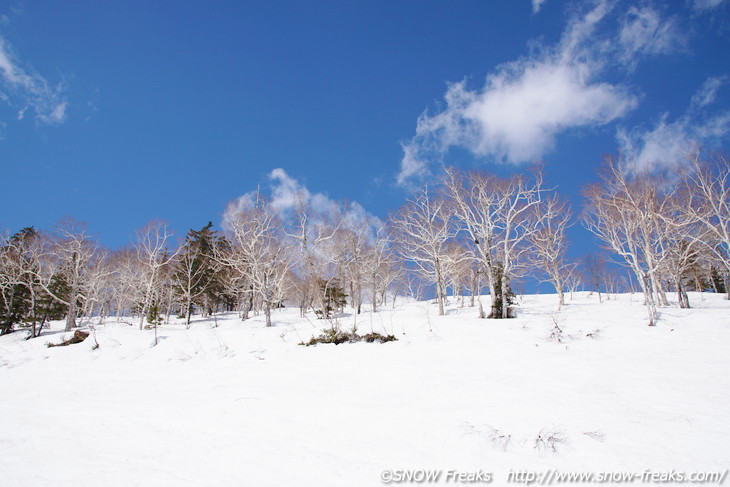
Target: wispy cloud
(703, 5)
(536, 4)
(24, 90)
(524, 104)
(645, 32)
(708, 92)
(668, 142)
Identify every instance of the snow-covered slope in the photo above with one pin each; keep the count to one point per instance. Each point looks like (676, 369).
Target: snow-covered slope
(241, 404)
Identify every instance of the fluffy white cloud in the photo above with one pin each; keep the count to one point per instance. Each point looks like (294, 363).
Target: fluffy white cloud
(237, 207)
(669, 142)
(286, 192)
(523, 105)
(25, 90)
(663, 145)
(287, 195)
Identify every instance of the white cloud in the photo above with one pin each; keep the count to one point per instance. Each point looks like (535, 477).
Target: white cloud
(235, 208)
(536, 4)
(56, 116)
(286, 192)
(701, 5)
(26, 90)
(644, 32)
(580, 28)
(662, 146)
(707, 94)
(287, 195)
(523, 105)
(668, 142)
(412, 167)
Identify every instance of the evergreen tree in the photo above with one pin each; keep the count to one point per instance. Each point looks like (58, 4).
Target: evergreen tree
(335, 298)
(196, 280)
(718, 281)
(24, 302)
(16, 307)
(50, 308)
(154, 318)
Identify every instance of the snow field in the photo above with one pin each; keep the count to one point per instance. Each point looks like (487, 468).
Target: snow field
(242, 404)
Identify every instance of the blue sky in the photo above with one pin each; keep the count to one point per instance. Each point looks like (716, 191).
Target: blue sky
(117, 113)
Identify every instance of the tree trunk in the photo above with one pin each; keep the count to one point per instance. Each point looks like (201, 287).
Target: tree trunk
(492, 292)
(375, 294)
(663, 295)
(248, 306)
(188, 312)
(505, 291)
(267, 312)
(205, 311)
(474, 288)
(71, 316)
(558, 283)
(439, 289)
(649, 300)
(168, 312)
(439, 299)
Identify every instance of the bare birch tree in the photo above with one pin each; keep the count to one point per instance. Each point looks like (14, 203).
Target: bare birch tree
(421, 231)
(498, 216)
(67, 257)
(549, 243)
(152, 254)
(352, 261)
(594, 273)
(380, 268)
(709, 183)
(315, 233)
(625, 215)
(75, 251)
(258, 250)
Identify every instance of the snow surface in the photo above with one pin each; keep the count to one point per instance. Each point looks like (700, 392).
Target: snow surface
(241, 404)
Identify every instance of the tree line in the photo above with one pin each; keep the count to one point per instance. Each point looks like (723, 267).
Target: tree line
(467, 232)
